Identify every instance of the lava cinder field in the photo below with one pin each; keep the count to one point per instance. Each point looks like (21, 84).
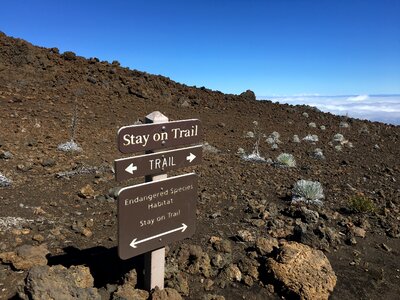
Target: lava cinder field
(58, 209)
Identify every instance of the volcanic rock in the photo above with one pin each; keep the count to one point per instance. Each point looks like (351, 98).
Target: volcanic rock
(26, 257)
(58, 282)
(302, 271)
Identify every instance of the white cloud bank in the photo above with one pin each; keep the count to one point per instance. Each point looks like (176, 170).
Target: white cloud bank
(382, 108)
(358, 98)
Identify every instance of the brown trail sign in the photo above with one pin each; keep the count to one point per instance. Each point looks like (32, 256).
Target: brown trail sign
(157, 163)
(155, 136)
(154, 214)
(161, 211)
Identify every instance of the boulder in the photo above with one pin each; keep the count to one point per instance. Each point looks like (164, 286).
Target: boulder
(248, 95)
(26, 257)
(302, 271)
(58, 282)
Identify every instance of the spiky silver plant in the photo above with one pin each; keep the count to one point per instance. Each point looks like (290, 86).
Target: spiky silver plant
(308, 191)
(311, 138)
(286, 160)
(255, 155)
(70, 146)
(318, 154)
(338, 137)
(273, 138)
(296, 139)
(4, 181)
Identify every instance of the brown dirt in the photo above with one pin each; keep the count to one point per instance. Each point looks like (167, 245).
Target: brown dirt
(38, 91)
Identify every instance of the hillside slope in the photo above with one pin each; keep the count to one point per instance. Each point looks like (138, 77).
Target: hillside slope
(244, 212)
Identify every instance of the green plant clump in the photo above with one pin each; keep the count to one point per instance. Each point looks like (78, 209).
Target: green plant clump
(361, 204)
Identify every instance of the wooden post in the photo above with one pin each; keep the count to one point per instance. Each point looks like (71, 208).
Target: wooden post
(154, 261)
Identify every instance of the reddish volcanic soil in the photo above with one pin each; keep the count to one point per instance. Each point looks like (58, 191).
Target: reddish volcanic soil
(66, 200)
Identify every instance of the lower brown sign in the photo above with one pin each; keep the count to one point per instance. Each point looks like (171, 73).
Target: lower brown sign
(154, 214)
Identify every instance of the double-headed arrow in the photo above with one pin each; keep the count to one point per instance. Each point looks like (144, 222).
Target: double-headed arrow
(135, 242)
(131, 168)
(156, 163)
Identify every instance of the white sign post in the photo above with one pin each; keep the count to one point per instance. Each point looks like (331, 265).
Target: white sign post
(154, 261)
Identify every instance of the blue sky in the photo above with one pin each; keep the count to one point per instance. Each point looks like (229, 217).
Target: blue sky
(275, 47)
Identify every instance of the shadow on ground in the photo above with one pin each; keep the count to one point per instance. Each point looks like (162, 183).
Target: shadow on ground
(104, 264)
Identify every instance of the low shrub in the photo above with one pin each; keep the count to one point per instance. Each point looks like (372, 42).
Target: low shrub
(360, 203)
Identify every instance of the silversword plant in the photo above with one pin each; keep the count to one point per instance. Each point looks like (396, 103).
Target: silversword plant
(286, 160)
(318, 154)
(311, 138)
(255, 155)
(72, 146)
(307, 191)
(338, 137)
(4, 181)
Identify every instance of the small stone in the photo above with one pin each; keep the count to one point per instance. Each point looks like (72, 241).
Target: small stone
(86, 192)
(308, 216)
(386, 247)
(248, 280)
(38, 211)
(224, 246)
(245, 235)
(86, 232)
(351, 240)
(233, 273)
(185, 104)
(266, 245)
(359, 232)
(113, 192)
(213, 297)
(258, 222)
(48, 162)
(92, 80)
(25, 231)
(38, 238)
(179, 282)
(25, 167)
(208, 284)
(165, 294)
(128, 292)
(218, 261)
(215, 215)
(6, 155)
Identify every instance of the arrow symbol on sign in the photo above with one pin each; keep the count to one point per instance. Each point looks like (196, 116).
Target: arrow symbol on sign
(131, 168)
(190, 157)
(135, 242)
